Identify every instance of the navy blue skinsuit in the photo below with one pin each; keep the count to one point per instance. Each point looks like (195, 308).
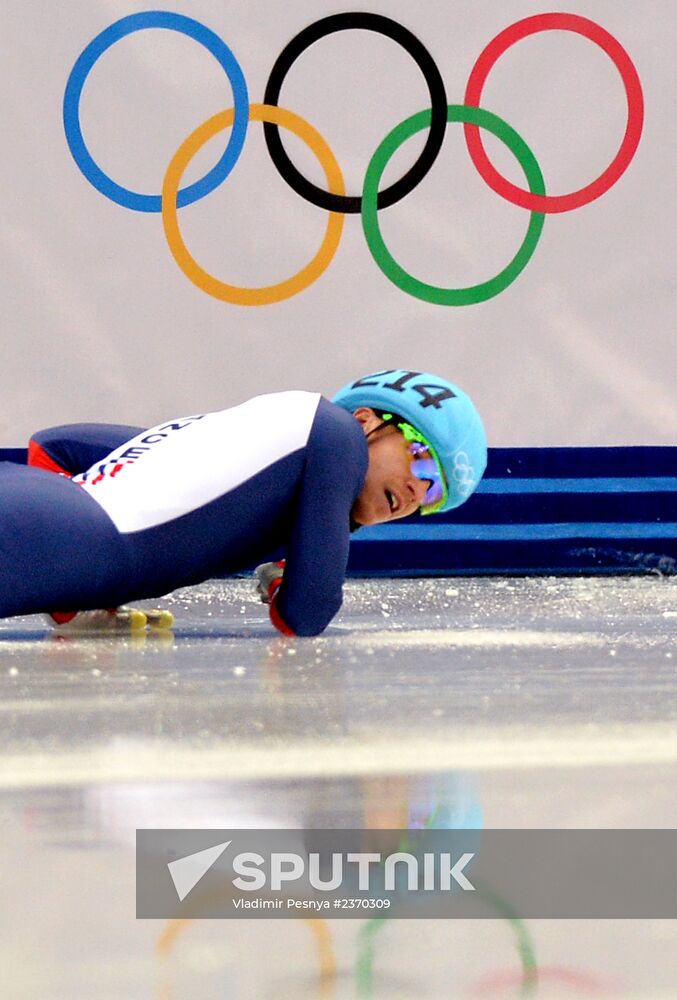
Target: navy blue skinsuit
(148, 511)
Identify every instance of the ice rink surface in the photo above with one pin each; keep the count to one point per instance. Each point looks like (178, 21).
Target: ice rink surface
(528, 703)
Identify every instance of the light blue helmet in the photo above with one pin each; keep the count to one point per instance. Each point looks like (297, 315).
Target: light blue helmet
(442, 414)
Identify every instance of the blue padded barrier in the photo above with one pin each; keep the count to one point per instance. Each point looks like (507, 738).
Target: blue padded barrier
(542, 511)
(18, 455)
(537, 511)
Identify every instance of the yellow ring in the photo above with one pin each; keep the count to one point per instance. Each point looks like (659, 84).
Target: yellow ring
(207, 282)
(319, 927)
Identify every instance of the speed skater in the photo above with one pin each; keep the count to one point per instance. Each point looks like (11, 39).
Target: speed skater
(107, 514)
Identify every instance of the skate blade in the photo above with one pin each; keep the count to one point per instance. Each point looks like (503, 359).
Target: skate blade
(103, 622)
(159, 617)
(129, 618)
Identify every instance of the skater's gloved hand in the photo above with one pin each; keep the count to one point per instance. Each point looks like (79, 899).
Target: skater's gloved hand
(269, 578)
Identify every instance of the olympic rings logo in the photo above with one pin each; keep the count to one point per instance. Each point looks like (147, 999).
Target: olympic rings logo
(463, 473)
(334, 199)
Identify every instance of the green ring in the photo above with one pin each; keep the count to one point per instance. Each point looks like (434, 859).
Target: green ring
(387, 263)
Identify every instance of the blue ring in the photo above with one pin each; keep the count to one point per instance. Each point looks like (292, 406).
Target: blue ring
(71, 108)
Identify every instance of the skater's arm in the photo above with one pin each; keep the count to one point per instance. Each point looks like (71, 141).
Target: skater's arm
(317, 554)
(73, 448)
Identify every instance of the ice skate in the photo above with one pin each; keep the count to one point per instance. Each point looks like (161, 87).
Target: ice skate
(120, 619)
(159, 618)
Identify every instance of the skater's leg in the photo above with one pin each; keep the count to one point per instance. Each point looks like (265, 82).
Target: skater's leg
(58, 548)
(74, 448)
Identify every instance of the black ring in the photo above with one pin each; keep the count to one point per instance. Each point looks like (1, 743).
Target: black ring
(438, 98)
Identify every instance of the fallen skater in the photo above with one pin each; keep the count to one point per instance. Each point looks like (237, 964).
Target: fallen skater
(108, 514)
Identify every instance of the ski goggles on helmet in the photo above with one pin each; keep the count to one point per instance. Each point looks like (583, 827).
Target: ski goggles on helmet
(424, 464)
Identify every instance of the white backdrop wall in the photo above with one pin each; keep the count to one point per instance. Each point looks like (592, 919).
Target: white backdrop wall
(99, 323)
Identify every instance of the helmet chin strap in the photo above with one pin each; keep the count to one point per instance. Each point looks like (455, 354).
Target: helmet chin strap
(374, 430)
(379, 427)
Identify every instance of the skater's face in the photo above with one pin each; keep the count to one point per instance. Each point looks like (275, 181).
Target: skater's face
(391, 490)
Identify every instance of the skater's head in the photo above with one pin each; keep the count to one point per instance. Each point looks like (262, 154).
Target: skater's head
(427, 446)
(394, 485)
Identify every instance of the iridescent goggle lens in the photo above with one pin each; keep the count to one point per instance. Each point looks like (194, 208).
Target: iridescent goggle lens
(424, 463)
(425, 466)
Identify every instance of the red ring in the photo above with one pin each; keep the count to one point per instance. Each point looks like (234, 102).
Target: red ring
(633, 130)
